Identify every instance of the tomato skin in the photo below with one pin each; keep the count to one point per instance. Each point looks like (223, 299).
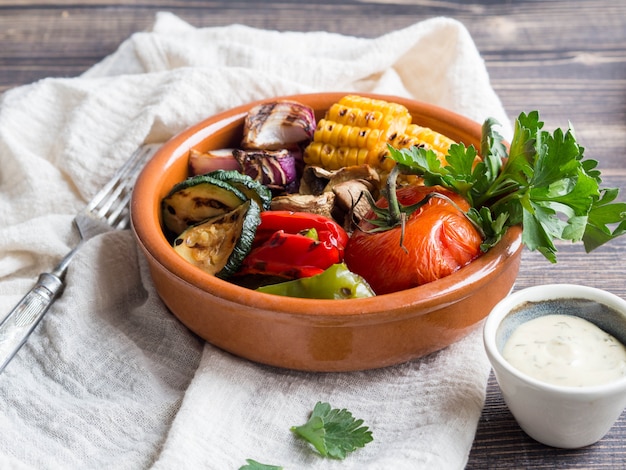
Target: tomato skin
(438, 239)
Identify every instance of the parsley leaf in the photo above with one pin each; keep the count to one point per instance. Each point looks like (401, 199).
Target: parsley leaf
(333, 432)
(542, 182)
(254, 465)
(597, 231)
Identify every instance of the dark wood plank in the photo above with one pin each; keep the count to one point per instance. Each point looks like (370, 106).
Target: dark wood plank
(566, 59)
(534, 65)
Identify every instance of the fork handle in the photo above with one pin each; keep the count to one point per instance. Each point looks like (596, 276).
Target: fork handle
(22, 320)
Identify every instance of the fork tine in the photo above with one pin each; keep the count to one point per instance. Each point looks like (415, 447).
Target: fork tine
(111, 202)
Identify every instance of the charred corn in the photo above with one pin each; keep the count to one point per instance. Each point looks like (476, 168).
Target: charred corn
(424, 137)
(355, 131)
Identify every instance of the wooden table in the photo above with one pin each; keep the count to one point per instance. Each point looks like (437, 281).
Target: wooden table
(564, 58)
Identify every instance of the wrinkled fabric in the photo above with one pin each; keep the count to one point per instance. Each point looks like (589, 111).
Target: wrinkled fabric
(110, 379)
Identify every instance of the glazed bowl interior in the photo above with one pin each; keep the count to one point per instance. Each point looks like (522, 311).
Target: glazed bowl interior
(358, 319)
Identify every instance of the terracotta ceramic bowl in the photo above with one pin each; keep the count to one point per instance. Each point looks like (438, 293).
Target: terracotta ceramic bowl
(315, 335)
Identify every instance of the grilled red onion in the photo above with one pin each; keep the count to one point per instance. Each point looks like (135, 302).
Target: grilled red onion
(201, 163)
(279, 170)
(277, 125)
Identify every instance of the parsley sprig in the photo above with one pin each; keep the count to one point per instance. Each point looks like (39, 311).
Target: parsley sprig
(542, 182)
(254, 465)
(333, 432)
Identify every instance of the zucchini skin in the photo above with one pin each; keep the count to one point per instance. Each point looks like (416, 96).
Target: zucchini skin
(197, 199)
(204, 244)
(252, 188)
(251, 220)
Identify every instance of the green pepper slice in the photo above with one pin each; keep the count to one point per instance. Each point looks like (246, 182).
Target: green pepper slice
(336, 282)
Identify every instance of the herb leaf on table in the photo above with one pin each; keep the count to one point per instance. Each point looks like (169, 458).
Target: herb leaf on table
(333, 432)
(254, 465)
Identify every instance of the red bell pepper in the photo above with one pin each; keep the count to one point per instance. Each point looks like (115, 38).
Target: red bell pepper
(295, 245)
(299, 222)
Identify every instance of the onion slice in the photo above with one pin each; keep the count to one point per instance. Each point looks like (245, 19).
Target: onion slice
(279, 170)
(201, 163)
(278, 124)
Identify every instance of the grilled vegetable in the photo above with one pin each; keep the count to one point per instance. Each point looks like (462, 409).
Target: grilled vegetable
(321, 205)
(294, 245)
(219, 244)
(355, 131)
(419, 234)
(279, 170)
(247, 185)
(423, 137)
(201, 163)
(336, 282)
(291, 256)
(328, 231)
(277, 125)
(196, 199)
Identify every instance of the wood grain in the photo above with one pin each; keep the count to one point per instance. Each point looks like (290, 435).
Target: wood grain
(564, 58)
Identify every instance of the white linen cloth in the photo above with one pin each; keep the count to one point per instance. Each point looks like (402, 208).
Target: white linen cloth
(110, 379)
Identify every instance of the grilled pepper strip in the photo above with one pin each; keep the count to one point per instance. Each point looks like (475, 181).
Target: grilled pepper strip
(294, 245)
(336, 282)
(290, 255)
(328, 231)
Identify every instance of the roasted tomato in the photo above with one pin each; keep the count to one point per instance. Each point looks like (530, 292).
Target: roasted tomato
(438, 239)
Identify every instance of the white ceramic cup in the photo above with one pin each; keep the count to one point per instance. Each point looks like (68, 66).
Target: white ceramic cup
(558, 416)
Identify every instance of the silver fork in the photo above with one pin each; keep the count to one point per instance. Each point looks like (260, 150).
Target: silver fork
(108, 209)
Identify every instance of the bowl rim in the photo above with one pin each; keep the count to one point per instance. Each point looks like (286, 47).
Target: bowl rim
(145, 218)
(549, 292)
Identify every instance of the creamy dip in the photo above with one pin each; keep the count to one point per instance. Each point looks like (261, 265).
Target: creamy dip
(566, 350)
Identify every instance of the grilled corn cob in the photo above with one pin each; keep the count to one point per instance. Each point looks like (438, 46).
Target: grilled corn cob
(356, 131)
(425, 137)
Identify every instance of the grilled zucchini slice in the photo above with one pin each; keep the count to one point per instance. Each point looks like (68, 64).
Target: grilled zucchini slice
(219, 245)
(252, 188)
(196, 199)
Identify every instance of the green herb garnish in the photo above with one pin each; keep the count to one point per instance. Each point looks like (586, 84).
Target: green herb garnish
(542, 182)
(333, 432)
(254, 465)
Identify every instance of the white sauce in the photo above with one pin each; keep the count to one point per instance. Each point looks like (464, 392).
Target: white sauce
(566, 350)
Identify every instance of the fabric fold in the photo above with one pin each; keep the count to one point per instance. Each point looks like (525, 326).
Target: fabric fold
(423, 414)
